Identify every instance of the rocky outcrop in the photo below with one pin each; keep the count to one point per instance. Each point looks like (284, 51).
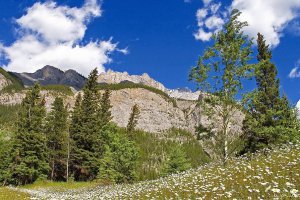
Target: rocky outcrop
(112, 77)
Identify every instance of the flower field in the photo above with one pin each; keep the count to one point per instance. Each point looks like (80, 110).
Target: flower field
(271, 174)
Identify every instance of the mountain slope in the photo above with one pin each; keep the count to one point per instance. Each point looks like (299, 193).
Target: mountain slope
(50, 75)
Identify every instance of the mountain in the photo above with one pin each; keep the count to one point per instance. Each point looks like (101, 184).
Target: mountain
(50, 75)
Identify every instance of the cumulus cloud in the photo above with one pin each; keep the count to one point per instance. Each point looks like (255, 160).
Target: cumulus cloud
(53, 35)
(209, 20)
(267, 17)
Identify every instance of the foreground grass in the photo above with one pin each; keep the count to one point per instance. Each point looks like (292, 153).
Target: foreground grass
(10, 194)
(266, 175)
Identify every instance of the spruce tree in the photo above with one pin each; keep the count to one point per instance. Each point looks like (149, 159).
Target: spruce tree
(270, 118)
(105, 106)
(57, 139)
(74, 137)
(29, 156)
(85, 135)
(133, 119)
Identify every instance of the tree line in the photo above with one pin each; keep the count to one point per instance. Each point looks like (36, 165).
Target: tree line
(83, 145)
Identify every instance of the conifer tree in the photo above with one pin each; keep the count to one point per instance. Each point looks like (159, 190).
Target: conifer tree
(270, 118)
(29, 157)
(57, 139)
(133, 119)
(74, 136)
(104, 111)
(86, 135)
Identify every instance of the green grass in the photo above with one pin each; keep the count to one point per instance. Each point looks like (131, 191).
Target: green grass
(61, 89)
(16, 85)
(60, 186)
(126, 85)
(9, 194)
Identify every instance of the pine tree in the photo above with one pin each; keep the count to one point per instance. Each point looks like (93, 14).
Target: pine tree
(270, 118)
(220, 73)
(133, 119)
(57, 139)
(29, 156)
(177, 161)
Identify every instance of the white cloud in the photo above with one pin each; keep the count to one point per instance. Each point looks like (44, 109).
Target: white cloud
(209, 20)
(294, 73)
(53, 35)
(269, 17)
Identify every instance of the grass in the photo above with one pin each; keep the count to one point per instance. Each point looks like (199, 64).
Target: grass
(9, 194)
(269, 174)
(126, 85)
(62, 89)
(60, 186)
(16, 85)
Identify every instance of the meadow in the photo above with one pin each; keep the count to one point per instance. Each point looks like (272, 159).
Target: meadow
(269, 174)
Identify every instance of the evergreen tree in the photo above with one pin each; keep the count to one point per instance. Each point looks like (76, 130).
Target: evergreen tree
(270, 118)
(219, 73)
(57, 139)
(74, 136)
(177, 161)
(29, 156)
(133, 119)
(87, 134)
(104, 111)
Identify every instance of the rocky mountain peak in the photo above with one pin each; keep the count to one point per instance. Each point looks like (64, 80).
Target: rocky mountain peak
(51, 75)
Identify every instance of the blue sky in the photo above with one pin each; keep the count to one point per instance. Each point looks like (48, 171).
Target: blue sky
(157, 37)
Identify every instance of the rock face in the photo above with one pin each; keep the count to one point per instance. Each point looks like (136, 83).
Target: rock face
(112, 77)
(157, 114)
(51, 75)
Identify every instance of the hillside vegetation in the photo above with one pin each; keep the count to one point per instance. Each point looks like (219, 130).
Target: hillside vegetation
(269, 174)
(16, 85)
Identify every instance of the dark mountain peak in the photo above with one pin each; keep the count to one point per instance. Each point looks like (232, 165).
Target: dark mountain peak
(49, 75)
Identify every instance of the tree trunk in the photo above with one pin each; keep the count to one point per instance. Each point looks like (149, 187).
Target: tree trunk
(52, 171)
(68, 157)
